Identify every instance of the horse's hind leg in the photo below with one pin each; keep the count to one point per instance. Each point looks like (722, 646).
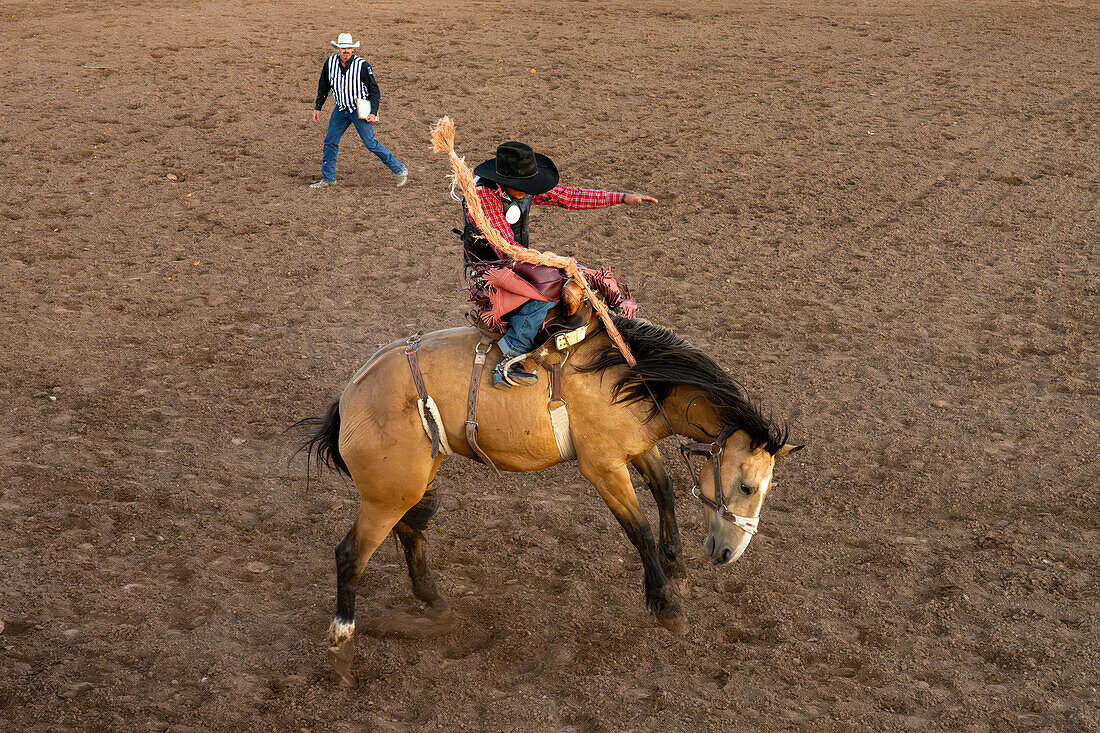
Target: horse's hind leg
(411, 532)
(384, 499)
(669, 550)
(371, 527)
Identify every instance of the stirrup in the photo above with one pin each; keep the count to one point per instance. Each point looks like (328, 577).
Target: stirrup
(505, 370)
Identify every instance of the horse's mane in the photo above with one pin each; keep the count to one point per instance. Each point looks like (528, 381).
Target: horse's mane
(665, 362)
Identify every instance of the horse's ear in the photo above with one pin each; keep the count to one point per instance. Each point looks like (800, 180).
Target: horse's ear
(788, 448)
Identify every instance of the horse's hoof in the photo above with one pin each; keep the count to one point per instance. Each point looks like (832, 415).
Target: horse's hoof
(443, 615)
(348, 681)
(341, 657)
(674, 621)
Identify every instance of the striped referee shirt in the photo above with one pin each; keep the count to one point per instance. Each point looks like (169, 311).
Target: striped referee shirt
(356, 80)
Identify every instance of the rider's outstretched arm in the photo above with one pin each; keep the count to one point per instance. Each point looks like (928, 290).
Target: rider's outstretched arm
(588, 198)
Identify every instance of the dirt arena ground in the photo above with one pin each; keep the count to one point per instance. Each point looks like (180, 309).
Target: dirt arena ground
(882, 217)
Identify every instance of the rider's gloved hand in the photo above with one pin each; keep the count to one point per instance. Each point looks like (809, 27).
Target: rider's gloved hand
(628, 308)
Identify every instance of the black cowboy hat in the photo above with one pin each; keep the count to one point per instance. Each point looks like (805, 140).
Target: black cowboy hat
(518, 166)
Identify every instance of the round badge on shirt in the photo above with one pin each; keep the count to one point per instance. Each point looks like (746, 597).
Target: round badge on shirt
(512, 214)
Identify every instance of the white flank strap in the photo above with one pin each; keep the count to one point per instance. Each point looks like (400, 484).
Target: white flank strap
(430, 412)
(559, 419)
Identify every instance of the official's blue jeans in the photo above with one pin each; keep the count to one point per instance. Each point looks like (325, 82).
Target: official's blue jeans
(337, 125)
(523, 326)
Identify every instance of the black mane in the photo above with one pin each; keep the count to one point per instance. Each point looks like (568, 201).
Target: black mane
(666, 361)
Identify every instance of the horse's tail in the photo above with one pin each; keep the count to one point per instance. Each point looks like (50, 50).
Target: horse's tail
(324, 444)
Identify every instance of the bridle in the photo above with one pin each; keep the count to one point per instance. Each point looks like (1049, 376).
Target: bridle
(713, 451)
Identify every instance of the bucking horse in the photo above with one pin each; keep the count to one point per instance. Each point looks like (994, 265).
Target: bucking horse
(408, 408)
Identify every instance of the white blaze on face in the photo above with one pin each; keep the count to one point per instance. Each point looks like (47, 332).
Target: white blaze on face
(743, 542)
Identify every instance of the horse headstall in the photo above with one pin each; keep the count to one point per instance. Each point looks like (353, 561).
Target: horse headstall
(713, 452)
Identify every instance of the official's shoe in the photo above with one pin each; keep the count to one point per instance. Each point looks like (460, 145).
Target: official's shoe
(517, 374)
(322, 184)
(401, 177)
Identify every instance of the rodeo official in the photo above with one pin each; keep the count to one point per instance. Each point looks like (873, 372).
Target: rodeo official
(351, 80)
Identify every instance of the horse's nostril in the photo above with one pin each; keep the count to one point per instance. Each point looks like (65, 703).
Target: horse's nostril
(725, 556)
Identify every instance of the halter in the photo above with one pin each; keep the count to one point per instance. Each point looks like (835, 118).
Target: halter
(713, 451)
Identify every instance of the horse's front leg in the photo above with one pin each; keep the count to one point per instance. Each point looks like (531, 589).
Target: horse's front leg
(652, 467)
(613, 484)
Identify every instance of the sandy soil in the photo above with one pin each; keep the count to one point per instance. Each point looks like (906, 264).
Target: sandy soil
(881, 217)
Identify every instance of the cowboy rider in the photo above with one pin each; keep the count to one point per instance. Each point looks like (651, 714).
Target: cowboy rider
(508, 186)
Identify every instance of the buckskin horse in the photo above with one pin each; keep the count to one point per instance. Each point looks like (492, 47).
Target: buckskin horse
(375, 434)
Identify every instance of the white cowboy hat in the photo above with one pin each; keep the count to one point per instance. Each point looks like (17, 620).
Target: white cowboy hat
(344, 41)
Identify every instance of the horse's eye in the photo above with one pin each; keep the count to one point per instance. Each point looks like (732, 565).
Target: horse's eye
(746, 490)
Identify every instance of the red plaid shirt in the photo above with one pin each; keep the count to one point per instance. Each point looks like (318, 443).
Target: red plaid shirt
(566, 198)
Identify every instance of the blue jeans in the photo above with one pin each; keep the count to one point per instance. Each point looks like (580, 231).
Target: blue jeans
(337, 126)
(523, 325)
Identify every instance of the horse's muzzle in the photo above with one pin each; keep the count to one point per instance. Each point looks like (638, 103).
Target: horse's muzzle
(721, 552)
